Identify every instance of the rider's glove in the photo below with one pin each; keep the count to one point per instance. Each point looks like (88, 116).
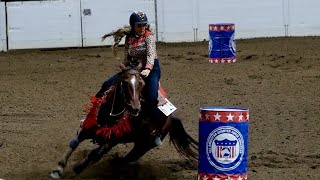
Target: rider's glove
(145, 72)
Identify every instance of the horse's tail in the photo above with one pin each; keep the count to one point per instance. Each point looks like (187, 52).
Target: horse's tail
(182, 141)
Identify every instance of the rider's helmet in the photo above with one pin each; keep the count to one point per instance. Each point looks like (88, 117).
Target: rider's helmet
(138, 17)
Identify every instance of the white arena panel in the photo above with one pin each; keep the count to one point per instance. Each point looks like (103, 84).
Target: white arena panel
(176, 20)
(252, 18)
(304, 20)
(44, 24)
(3, 34)
(101, 17)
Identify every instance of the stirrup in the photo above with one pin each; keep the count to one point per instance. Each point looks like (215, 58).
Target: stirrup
(157, 141)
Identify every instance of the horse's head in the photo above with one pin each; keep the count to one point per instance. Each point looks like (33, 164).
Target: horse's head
(132, 84)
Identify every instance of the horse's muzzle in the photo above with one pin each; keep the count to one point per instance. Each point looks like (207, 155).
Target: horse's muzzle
(134, 111)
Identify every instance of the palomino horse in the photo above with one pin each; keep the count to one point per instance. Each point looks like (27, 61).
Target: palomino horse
(130, 124)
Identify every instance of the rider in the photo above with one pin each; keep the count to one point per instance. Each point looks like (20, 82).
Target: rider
(140, 45)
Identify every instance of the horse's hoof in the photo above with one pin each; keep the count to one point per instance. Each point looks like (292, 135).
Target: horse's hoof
(55, 174)
(78, 168)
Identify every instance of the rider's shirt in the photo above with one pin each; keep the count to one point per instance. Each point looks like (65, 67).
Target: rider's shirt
(141, 48)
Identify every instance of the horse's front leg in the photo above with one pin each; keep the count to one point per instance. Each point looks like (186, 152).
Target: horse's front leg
(76, 140)
(94, 156)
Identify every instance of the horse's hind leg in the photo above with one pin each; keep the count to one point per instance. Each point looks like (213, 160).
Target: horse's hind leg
(76, 140)
(138, 151)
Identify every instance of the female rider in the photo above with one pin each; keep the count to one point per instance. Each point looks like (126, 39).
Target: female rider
(139, 46)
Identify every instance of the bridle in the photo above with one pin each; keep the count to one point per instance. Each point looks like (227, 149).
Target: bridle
(114, 97)
(131, 72)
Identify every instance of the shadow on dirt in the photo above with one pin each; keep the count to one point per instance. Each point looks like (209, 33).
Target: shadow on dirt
(114, 169)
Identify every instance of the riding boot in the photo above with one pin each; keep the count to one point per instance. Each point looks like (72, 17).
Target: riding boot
(157, 121)
(157, 141)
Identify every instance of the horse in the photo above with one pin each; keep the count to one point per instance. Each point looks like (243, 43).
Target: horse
(131, 124)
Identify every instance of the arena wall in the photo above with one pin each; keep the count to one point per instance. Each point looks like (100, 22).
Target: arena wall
(3, 33)
(43, 24)
(304, 19)
(251, 18)
(176, 20)
(101, 17)
(188, 20)
(81, 23)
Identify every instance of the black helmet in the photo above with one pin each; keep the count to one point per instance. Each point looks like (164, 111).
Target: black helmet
(138, 18)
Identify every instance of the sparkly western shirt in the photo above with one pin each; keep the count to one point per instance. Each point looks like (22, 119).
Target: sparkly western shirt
(141, 48)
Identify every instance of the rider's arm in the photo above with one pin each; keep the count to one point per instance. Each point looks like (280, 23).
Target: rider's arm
(151, 51)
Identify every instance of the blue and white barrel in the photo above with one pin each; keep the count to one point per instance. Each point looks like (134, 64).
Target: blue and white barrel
(222, 46)
(223, 143)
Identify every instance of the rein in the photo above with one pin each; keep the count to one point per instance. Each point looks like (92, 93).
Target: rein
(132, 72)
(114, 97)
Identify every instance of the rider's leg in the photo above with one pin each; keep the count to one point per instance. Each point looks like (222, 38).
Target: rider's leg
(107, 84)
(152, 87)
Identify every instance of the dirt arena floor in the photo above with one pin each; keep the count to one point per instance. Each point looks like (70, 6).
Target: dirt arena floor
(42, 93)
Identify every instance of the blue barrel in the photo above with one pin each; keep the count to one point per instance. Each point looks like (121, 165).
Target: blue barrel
(223, 143)
(222, 46)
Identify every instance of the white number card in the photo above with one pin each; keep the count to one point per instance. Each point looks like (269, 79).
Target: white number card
(168, 108)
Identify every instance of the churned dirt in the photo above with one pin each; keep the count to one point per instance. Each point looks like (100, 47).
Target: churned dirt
(42, 93)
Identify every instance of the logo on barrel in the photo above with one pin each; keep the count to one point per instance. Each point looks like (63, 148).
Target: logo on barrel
(225, 148)
(232, 45)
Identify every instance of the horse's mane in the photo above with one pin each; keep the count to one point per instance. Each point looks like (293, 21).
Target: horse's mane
(107, 95)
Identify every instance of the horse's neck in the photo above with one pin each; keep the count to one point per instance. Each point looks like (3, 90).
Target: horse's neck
(117, 98)
(113, 107)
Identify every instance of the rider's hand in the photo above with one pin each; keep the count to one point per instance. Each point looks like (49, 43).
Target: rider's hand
(145, 72)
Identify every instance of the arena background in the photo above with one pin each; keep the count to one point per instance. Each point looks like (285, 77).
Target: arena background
(43, 89)
(42, 93)
(81, 23)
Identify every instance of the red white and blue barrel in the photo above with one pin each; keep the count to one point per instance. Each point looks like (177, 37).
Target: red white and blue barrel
(223, 143)
(222, 46)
